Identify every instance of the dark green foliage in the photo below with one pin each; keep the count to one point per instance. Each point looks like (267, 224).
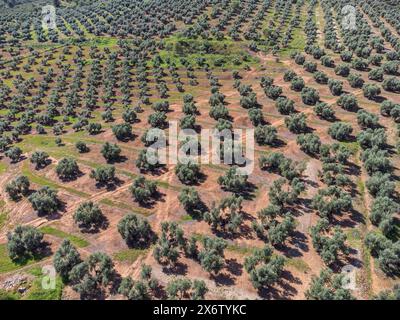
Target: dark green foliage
(158, 120)
(381, 185)
(297, 84)
(376, 74)
(82, 147)
(342, 70)
(328, 247)
(277, 163)
(67, 169)
(348, 102)
(331, 201)
(45, 201)
(382, 214)
(370, 138)
(183, 288)
(265, 135)
(263, 267)
(24, 241)
(39, 159)
(296, 123)
(187, 122)
(309, 96)
(212, 256)
(284, 105)
(336, 87)
(282, 193)
(143, 190)
(14, 153)
(367, 119)
(170, 241)
(273, 92)
(190, 199)
(391, 84)
(289, 75)
(91, 277)
(122, 131)
(65, 258)
(88, 216)
(375, 160)
(233, 181)
(371, 91)
(94, 128)
(188, 173)
(309, 143)
(324, 111)
(110, 152)
(328, 286)
(17, 188)
(340, 131)
(136, 231)
(320, 77)
(355, 80)
(227, 216)
(256, 117)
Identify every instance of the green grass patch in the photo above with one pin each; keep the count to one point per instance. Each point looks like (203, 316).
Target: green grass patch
(37, 292)
(186, 218)
(298, 264)
(240, 249)
(3, 167)
(125, 206)
(42, 181)
(77, 241)
(7, 295)
(352, 146)
(129, 255)
(7, 265)
(3, 219)
(231, 53)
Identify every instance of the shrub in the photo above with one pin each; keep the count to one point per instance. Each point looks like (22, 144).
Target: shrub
(340, 131)
(335, 86)
(284, 105)
(320, 77)
(67, 168)
(111, 152)
(136, 231)
(18, 187)
(309, 143)
(355, 80)
(188, 173)
(309, 96)
(45, 201)
(233, 181)
(39, 159)
(371, 91)
(143, 190)
(324, 111)
(348, 102)
(88, 215)
(296, 123)
(103, 174)
(265, 135)
(23, 242)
